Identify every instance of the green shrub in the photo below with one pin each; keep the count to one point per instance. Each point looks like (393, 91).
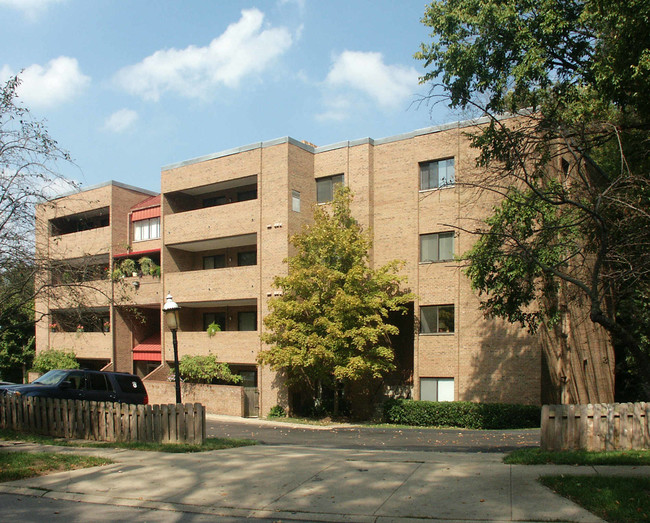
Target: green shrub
(50, 359)
(277, 411)
(462, 414)
(206, 369)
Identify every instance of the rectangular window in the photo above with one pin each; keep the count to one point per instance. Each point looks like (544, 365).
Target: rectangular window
(436, 247)
(325, 187)
(243, 196)
(437, 389)
(295, 201)
(216, 261)
(214, 317)
(146, 229)
(436, 174)
(213, 201)
(246, 258)
(247, 321)
(436, 319)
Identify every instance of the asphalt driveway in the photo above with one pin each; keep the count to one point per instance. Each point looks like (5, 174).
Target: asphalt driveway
(372, 438)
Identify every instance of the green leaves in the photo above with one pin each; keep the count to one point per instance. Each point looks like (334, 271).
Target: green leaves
(206, 369)
(50, 359)
(329, 325)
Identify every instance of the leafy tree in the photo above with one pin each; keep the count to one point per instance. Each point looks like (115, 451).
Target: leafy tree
(206, 369)
(50, 359)
(573, 167)
(329, 328)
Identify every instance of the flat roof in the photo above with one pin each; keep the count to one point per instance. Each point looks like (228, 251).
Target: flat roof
(105, 184)
(338, 145)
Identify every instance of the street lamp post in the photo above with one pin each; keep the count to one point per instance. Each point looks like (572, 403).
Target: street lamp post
(171, 308)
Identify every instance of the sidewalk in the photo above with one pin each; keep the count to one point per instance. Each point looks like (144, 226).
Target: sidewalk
(299, 483)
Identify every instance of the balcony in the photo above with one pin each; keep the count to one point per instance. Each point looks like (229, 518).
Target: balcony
(80, 244)
(229, 346)
(96, 293)
(85, 345)
(142, 290)
(235, 219)
(215, 285)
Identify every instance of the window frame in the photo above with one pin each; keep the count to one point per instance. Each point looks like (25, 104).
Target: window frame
(331, 182)
(213, 257)
(438, 185)
(240, 256)
(437, 331)
(216, 317)
(239, 321)
(438, 235)
(139, 225)
(295, 200)
(437, 382)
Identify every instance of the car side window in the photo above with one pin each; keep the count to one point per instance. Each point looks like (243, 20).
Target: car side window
(77, 380)
(97, 381)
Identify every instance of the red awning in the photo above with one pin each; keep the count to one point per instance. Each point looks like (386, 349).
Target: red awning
(135, 253)
(148, 350)
(143, 214)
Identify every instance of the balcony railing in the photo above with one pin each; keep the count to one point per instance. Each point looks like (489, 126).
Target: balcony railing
(80, 244)
(229, 346)
(222, 221)
(85, 345)
(232, 283)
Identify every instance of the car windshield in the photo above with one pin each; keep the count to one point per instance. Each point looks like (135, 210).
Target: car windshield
(53, 377)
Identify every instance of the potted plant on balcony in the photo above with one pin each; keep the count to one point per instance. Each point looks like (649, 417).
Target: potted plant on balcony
(106, 326)
(80, 328)
(212, 329)
(128, 266)
(145, 265)
(53, 327)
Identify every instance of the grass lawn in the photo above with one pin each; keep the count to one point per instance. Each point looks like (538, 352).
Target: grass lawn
(617, 499)
(578, 457)
(19, 465)
(208, 444)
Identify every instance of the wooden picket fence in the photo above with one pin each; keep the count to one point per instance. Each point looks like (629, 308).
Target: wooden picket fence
(614, 426)
(91, 420)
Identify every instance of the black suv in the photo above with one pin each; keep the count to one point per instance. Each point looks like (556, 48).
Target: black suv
(88, 385)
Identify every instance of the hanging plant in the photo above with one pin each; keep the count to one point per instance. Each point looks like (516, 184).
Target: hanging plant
(128, 266)
(146, 264)
(212, 329)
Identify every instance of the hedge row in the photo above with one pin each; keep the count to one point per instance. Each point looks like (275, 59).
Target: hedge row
(462, 414)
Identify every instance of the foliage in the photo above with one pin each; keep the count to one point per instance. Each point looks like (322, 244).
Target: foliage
(536, 456)
(213, 328)
(463, 414)
(146, 264)
(50, 359)
(329, 328)
(277, 411)
(128, 266)
(612, 498)
(206, 369)
(28, 161)
(572, 168)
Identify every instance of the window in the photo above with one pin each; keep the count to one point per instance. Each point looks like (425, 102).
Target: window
(436, 319)
(436, 174)
(437, 389)
(213, 201)
(243, 196)
(295, 201)
(146, 229)
(247, 321)
(216, 261)
(214, 317)
(246, 258)
(436, 247)
(325, 187)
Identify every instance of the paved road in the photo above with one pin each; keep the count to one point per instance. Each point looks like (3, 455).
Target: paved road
(370, 438)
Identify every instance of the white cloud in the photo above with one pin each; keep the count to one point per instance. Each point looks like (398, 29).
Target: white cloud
(120, 120)
(58, 82)
(388, 85)
(338, 109)
(243, 50)
(31, 8)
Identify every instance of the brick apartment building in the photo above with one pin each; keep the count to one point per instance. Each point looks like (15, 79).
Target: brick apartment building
(220, 230)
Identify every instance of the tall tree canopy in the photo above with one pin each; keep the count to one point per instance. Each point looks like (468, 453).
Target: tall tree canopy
(573, 167)
(329, 326)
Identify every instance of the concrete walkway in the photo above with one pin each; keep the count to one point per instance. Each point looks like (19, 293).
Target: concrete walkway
(312, 484)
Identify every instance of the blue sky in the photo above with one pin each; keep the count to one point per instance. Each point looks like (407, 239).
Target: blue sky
(130, 86)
